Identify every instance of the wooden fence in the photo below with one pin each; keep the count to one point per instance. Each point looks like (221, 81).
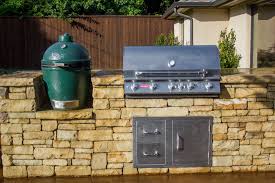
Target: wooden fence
(23, 41)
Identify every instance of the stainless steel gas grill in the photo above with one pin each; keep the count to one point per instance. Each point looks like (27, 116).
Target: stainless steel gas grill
(171, 71)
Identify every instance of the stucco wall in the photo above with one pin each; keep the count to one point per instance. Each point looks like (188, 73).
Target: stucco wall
(240, 22)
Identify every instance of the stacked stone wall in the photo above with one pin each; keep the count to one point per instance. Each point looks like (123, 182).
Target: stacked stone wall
(98, 141)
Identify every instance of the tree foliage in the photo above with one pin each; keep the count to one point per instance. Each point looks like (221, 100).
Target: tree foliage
(69, 8)
(228, 54)
(167, 40)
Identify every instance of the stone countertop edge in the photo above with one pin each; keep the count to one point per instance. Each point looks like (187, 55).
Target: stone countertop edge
(22, 78)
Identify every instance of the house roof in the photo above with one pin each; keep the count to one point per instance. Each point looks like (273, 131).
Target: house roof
(184, 5)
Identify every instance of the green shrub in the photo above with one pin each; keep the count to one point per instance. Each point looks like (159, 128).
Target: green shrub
(167, 40)
(228, 54)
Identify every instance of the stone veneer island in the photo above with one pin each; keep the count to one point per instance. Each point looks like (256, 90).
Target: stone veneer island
(97, 141)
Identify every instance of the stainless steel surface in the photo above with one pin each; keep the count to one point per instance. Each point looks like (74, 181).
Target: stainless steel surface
(172, 141)
(151, 71)
(65, 104)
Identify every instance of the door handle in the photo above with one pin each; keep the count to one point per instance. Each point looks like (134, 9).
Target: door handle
(155, 132)
(155, 154)
(180, 143)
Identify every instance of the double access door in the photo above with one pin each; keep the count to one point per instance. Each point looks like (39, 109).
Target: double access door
(172, 141)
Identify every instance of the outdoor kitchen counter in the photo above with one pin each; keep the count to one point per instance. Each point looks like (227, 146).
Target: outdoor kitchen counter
(37, 141)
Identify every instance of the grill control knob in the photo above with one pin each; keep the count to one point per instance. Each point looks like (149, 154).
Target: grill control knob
(153, 86)
(208, 85)
(190, 85)
(172, 86)
(181, 86)
(134, 86)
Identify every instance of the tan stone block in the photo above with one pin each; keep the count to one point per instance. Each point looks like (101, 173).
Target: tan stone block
(107, 123)
(250, 92)
(66, 135)
(255, 141)
(85, 126)
(266, 112)
(268, 127)
(226, 153)
(221, 169)
(70, 114)
(240, 103)
(222, 161)
(215, 114)
(219, 128)
(17, 105)
(77, 121)
(235, 133)
(82, 156)
(203, 101)
(261, 160)
(100, 104)
(55, 162)
(17, 96)
(254, 135)
(107, 172)
(108, 93)
(40, 171)
(21, 115)
(189, 170)
(81, 162)
(6, 160)
(30, 92)
(272, 159)
(224, 104)
(60, 143)
(35, 121)
(19, 121)
(253, 127)
(38, 135)
(271, 118)
(31, 127)
(128, 113)
(180, 102)
(122, 129)
(226, 145)
(83, 151)
(122, 136)
(266, 168)
(152, 170)
(49, 125)
(168, 111)
(269, 134)
(146, 103)
(260, 105)
(108, 80)
(107, 114)
(81, 144)
(118, 103)
(17, 139)
(34, 142)
(53, 153)
(99, 161)
(200, 108)
(242, 160)
(244, 119)
(21, 149)
(23, 157)
(113, 146)
(14, 171)
(11, 128)
(128, 169)
(73, 171)
(244, 168)
(233, 125)
(95, 135)
(17, 89)
(3, 93)
(250, 150)
(120, 157)
(253, 112)
(30, 162)
(114, 165)
(229, 112)
(268, 142)
(219, 136)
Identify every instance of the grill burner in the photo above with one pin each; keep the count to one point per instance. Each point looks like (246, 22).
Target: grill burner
(169, 71)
